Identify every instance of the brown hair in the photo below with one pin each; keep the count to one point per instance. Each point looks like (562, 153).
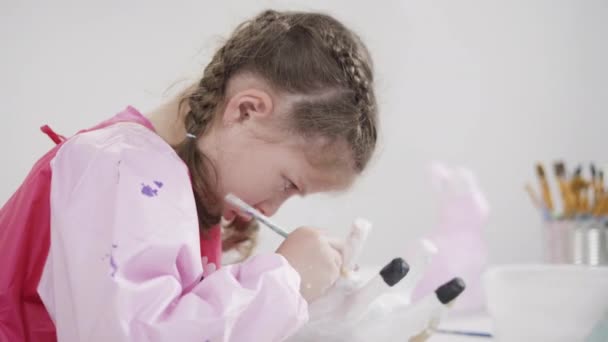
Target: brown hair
(309, 55)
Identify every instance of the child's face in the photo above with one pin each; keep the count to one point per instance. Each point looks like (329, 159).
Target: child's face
(265, 166)
(261, 162)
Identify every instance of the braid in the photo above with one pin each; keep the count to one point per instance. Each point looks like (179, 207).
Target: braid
(345, 52)
(207, 96)
(203, 102)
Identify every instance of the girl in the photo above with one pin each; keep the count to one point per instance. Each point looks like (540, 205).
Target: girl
(115, 235)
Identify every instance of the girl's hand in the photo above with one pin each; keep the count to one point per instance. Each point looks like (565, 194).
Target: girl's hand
(315, 257)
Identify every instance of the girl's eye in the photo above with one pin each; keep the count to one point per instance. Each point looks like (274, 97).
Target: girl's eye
(288, 185)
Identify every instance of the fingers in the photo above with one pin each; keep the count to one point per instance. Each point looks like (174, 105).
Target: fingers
(347, 251)
(337, 245)
(354, 243)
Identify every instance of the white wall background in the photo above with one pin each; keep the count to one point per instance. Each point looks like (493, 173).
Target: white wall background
(493, 85)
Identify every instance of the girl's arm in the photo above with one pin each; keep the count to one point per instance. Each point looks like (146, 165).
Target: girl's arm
(124, 262)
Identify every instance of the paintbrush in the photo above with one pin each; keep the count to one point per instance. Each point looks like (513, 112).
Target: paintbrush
(599, 198)
(585, 203)
(467, 333)
(578, 189)
(567, 197)
(251, 211)
(534, 197)
(544, 185)
(600, 180)
(595, 186)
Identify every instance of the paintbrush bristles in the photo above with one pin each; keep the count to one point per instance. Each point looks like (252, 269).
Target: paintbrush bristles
(581, 196)
(568, 198)
(560, 169)
(540, 171)
(547, 202)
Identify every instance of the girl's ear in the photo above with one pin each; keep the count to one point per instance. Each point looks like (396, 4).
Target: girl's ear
(248, 104)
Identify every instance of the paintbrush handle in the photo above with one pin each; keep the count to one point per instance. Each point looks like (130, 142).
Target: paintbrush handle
(253, 212)
(272, 225)
(463, 333)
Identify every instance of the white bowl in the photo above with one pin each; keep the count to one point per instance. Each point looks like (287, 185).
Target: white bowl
(545, 303)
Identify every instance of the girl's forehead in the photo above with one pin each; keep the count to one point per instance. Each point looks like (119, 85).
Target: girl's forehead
(324, 164)
(325, 153)
(329, 164)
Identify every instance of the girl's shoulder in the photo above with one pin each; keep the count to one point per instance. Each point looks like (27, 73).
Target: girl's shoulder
(128, 134)
(129, 142)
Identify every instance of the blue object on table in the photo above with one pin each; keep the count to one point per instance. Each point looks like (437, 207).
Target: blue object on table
(464, 333)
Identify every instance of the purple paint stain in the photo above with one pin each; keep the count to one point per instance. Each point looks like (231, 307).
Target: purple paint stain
(158, 184)
(148, 191)
(113, 266)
